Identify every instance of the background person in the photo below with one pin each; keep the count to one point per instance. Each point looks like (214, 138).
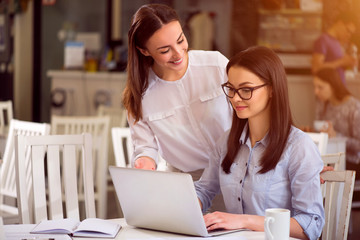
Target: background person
(263, 161)
(342, 111)
(330, 47)
(173, 96)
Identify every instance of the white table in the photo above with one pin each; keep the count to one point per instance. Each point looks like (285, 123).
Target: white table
(129, 232)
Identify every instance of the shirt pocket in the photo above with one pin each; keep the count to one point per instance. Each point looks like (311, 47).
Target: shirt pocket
(161, 115)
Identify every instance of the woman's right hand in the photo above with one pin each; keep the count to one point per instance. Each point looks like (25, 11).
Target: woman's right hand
(145, 163)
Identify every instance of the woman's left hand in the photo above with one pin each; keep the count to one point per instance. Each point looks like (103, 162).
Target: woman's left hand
(223, 220)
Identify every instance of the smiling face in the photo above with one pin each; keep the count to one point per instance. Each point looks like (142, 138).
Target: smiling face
(322, 89)
(257, 106)
(168, 47)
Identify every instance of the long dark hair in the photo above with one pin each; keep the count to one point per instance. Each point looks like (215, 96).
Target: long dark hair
(332, 77)
(146, 21)
(267, 66)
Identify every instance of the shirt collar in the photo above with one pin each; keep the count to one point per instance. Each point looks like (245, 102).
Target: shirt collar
(246, 139)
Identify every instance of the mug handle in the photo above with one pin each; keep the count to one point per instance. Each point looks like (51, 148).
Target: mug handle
(269, 220)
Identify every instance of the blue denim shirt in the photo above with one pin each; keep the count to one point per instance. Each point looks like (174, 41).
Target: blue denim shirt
(293, 184)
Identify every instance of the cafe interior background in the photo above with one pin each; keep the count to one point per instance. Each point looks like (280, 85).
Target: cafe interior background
(43, 74)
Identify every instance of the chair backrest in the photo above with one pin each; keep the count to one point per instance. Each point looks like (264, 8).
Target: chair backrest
(321, 140)
(7, 171)
(121, 138)
(2, 232)
(61, 153)
(98, 127)
(333, 228)
(6, 114)
(333, 159)
(117, 119)
(117, 115)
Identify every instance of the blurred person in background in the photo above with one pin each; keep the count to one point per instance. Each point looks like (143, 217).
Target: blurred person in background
(331, 48)
(341, 110)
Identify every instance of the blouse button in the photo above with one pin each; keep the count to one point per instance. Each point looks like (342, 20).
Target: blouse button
(238, 199)
(241, 181)
(316, 218)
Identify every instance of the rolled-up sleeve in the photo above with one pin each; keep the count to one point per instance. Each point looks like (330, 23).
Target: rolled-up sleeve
(304, 172)
(209, 183)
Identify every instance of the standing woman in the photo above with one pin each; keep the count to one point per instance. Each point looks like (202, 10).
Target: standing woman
(342, 111)
(173, 96)
(263, 161)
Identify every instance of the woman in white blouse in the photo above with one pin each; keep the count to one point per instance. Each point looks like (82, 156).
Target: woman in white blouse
(263, 161)
(174, 99)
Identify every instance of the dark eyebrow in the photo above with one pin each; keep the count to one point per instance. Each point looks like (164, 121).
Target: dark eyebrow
(240, 85)
(168, 45)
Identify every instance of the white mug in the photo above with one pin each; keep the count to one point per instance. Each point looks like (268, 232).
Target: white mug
(277, 224)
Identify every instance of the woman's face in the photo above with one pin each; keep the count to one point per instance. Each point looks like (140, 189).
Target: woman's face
(322, 89)
(239, 77)
(168, 47)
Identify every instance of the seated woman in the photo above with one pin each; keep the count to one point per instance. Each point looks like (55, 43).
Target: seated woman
(342, 111)
(263, 161)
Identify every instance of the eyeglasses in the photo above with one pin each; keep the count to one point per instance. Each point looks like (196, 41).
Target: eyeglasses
(245, 93)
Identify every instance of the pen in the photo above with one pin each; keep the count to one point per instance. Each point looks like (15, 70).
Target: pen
(37, 238)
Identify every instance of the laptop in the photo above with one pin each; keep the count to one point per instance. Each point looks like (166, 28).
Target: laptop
(164, 201)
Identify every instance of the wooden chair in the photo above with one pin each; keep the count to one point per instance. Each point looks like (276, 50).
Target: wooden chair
(61, 156)
(123, 148)
(333, 228)
(121, 138)
(117, 119)
(2, 232)
(321, 140)
(8, 193)
(98, 127)
(333, 159)
(6, 114)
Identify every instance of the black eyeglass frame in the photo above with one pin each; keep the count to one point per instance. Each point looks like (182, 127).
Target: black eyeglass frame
(237, 90)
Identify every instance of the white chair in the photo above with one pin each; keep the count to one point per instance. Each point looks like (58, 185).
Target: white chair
(45, 198)
(333, 228)
(98, 127)
(8, 193)
(121, 136)
(321, 140)
(2, 232)
(117, 115)
(117, 119)
(6, 114)
(333, 159)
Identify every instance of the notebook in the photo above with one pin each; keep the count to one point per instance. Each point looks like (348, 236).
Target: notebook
(157, 200)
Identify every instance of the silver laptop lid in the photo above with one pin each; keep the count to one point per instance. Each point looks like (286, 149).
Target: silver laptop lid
(164, 201)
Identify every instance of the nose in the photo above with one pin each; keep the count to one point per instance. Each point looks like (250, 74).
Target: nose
(177, 51)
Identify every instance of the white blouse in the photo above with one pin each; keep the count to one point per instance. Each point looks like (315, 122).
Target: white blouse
(183, 119)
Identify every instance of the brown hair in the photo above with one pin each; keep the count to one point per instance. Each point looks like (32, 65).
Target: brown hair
(267, 66)
(146, 21)
(332, 77)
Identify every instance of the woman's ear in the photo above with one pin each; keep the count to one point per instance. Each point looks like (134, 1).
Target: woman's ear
(143, 51)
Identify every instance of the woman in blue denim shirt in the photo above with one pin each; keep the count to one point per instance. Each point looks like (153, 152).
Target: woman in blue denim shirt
(263, 161)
